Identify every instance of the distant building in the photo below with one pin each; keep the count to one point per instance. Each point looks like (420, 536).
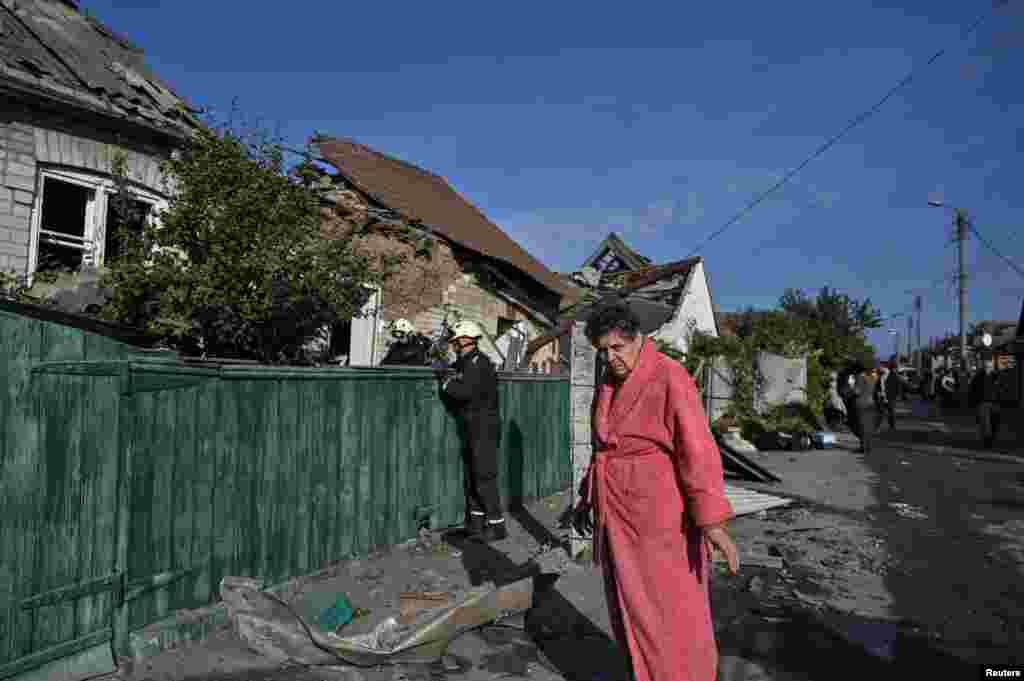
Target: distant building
(672, 300)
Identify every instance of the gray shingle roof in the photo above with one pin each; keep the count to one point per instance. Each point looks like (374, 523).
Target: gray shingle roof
(48, 47)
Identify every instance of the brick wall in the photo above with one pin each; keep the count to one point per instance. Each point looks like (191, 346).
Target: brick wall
(424, 290)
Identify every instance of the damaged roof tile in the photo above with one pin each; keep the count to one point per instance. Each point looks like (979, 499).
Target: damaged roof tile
(50, 43)
(421, 195)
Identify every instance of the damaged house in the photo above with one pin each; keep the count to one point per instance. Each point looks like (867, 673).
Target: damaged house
(74, 95)
(671, 300)
(476, 271)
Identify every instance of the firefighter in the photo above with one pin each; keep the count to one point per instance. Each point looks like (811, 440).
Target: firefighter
(473, 388)
(410, 348)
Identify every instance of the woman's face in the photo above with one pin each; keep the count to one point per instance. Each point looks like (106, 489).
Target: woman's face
(620, 352)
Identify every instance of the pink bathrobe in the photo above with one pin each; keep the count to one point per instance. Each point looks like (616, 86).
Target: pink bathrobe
(654, 481)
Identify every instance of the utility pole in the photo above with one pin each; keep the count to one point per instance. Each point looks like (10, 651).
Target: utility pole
(920, 352)
(910, 332)
(960, 220)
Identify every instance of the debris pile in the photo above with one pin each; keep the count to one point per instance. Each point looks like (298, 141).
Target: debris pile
(555, 560)
(429, 543)
(420, 632)
(908, 511)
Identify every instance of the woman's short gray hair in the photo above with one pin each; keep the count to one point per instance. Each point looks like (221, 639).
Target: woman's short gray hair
(614, 317)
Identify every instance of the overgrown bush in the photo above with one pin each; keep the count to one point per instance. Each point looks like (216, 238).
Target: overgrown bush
(237, 265)
(771, 331)
(15, 287)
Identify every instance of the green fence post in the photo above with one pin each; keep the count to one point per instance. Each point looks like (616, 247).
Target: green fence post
(125, 447)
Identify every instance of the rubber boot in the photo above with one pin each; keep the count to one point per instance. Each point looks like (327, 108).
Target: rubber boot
(494, 532)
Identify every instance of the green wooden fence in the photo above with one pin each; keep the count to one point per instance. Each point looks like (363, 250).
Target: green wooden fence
(131, 483)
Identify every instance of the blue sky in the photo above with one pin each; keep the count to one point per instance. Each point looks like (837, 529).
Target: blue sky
(564, 121)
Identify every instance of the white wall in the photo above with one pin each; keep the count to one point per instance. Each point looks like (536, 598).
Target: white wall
(695, 305)
(365, 332)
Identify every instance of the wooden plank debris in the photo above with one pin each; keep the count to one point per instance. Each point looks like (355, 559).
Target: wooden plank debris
(740, 464)
(747, 501)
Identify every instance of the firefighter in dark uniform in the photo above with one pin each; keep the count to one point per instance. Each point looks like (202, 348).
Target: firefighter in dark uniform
(473, 388)
(409, 349)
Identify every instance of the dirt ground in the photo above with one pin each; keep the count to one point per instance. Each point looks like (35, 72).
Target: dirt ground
(895, 563)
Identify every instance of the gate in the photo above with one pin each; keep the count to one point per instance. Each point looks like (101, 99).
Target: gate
(60, 477)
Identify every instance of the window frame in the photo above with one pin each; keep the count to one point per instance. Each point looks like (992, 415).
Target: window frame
(103, 188)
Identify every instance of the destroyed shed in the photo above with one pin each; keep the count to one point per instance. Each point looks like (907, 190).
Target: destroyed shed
(476, 271)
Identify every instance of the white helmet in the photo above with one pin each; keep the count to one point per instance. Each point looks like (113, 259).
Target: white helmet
(402, 327)
(467, 330)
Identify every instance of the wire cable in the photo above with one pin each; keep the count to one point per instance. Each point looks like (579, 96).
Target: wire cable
(831, 142)
(992, 248)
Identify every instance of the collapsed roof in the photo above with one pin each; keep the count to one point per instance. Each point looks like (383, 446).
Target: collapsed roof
(422, 196)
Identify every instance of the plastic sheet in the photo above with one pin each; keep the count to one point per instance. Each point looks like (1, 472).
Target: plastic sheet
(274, 629)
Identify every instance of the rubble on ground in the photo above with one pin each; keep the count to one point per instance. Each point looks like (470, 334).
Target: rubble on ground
(287, 635)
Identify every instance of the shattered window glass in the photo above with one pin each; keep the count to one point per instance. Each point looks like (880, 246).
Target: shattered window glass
(62, 237)
(120, 228)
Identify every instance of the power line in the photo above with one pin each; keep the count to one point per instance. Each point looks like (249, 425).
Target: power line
(992, 248)
(856, 121)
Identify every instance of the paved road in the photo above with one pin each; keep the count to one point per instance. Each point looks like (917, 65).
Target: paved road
(924, 552)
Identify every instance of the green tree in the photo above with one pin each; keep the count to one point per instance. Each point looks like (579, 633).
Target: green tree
(836, 324)
(237, 265)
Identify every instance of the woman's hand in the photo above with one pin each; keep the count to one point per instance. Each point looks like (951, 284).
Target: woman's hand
(716, 538)
(582, 523)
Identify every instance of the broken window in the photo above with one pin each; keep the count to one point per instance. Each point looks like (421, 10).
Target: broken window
(341, 341)
(76, 221)
(504, 324)
(123, 229)
(609, 263)
(63, 234)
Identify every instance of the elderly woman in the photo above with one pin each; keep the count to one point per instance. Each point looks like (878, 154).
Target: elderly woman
(656, 491)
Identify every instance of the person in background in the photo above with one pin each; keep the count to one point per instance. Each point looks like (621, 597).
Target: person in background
(948, 386)
(655, 490)
(984, 398)
(847, 379)
(887, 385)
(835, 408)
(927, 385)
(410, 347)
(473, 387)
(864, 403)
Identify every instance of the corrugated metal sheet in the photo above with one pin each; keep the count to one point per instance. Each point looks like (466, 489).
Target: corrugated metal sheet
(162, 478)
(746, 501)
